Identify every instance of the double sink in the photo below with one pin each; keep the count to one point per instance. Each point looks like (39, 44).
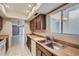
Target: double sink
(53, 45)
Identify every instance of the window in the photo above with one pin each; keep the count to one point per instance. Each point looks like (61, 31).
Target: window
(55, 22)
(71, 20)
(66, 21)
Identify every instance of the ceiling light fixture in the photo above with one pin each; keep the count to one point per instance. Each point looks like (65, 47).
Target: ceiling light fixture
(7, 6)
(27, 11)
(29, 5)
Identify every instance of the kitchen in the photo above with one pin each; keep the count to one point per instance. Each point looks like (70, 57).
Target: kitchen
(51, 30)
(47, 33)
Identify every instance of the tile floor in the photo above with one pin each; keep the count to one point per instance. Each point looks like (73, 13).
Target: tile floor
(18, 48)
(18, 51)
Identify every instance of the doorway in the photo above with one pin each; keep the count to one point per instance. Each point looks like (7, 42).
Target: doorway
(18, 33)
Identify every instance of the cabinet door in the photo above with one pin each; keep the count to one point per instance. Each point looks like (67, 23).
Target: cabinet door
(33, 47)
(43, 22)
(29, 43)
(38, 52)
(1, 23)
(42, 51)
(43, 54)
(35, 24)
(38, 23)
(32, 25)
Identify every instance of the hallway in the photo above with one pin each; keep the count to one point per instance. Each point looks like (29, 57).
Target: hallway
(18, 48)
(18, 40)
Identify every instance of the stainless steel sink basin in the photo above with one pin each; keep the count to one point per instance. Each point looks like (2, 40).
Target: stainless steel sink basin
(45, 41)
(55, 46)
(52, 45)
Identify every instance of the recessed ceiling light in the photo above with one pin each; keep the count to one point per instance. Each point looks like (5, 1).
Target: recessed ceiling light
(30, 5)
(7, 6)
(27, 11)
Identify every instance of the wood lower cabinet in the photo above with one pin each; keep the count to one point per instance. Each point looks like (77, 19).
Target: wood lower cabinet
(7, 44)
(29, 43)
(36, 49)
(38, 52)
(41, 51)
(33, 47)
(1, 23)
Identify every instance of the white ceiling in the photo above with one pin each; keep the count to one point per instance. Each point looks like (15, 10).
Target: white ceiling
(19, 10)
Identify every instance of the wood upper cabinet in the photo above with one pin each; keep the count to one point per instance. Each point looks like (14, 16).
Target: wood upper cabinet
(32, 25)
(1, 23)
(39, 23)
(43, 21)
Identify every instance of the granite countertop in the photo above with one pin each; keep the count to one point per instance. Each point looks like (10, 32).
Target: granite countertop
(66, 51)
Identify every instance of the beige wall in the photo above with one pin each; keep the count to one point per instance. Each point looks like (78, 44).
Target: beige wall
(27, 30)
(7, 29)
(27, 27)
